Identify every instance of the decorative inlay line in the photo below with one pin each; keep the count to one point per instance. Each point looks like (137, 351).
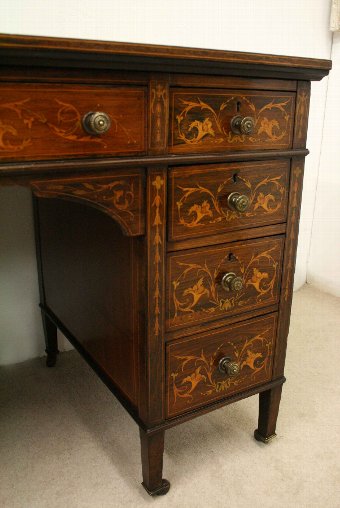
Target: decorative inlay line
(158, 183)
(158, 105)
(301, 114)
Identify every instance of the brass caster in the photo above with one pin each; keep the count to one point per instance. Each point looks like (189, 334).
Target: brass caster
(160, 491)
(263, 439)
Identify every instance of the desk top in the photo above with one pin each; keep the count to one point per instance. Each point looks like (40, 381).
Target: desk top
(25, 50)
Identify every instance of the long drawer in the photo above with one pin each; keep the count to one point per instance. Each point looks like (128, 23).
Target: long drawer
(46, 121)
(205, 120)
(209, 283)
(214, 365)
(217, 198)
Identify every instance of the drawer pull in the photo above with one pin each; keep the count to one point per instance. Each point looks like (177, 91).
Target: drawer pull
(238, 202)
(242, 125)
(230, 282)
(226, 366)
(96, 122)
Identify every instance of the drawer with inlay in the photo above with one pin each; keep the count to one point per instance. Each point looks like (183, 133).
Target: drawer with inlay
(217, 198)
(52, 121)
(214, 365)
(210, 283)
(208, 120)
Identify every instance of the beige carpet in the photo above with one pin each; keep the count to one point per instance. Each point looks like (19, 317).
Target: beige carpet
(66, 442)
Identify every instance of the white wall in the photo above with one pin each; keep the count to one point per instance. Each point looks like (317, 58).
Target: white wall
(21, 334)
(324, 259)
(293, 28)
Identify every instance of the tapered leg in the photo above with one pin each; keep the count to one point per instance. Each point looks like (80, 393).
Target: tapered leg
(269, 404)
(152, 463)
(51, 340)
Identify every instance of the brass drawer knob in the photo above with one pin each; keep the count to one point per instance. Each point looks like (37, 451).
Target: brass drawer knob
(230, 282)
(226, 366)
(96, 122)
(238, 202)
(242, 125)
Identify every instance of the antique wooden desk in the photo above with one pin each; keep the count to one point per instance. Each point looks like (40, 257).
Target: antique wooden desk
(167, 185)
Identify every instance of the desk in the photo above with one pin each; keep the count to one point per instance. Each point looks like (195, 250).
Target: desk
(167, 186)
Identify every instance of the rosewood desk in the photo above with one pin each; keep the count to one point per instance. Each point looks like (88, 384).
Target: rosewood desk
(167, 186)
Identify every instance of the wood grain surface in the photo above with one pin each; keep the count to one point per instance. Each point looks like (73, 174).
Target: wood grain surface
(88, 275)
(45, 121)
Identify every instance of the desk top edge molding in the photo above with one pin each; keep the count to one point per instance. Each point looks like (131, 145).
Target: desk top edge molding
(26, 50)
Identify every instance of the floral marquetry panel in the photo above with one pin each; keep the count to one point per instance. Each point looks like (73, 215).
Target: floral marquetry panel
(45, 121)
(193, 374)
(201, 120)
(195, 289)
(199, 197)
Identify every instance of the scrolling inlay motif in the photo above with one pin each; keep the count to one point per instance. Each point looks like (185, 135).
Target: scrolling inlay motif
(206, 297)
(115, 196)
(211, 211)
(199, 120)
(202, 378)
(193, 374)
(68, 125)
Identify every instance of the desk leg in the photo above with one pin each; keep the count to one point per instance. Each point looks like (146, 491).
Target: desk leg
(51, 340)
(152, 463)
(50, 330)
(268, 412)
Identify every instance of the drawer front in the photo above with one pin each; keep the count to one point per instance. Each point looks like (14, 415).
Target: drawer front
(209, 283)
(201, 120)
(201, 198)
(43, 122)
(218, 364)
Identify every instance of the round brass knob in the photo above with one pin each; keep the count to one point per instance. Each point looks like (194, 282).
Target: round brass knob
(96, 122)
(242, 125)
(230, 282)
(238, 202)
(226, 366)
